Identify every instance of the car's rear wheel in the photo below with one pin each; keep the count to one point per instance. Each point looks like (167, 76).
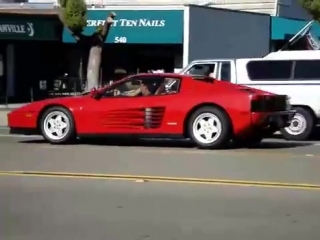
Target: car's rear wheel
(57, 125)
(301, 127)
(209, 128)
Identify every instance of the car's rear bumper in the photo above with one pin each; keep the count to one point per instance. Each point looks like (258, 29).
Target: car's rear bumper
(276, 120)
(279, 119)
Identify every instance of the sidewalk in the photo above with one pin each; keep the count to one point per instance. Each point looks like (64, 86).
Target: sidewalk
(4, 110)
(3, 117)
(11, 106)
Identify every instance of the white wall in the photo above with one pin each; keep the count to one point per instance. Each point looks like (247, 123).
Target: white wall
(260, 6)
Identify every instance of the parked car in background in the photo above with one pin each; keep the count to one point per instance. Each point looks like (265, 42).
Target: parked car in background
(293, 73)
(211, 113)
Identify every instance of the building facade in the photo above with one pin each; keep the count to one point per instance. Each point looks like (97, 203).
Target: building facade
(228, 34)
(143, 37)
(154, 37)
(26, 42)
(151, 38)
(280, 8)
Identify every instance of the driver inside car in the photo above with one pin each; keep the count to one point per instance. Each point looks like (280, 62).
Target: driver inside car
(143, 90)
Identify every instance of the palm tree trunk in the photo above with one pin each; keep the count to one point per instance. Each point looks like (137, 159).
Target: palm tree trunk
(93, 69)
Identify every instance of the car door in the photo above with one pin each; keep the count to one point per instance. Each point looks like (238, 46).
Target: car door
(125, 114)
(203, 68)
(120, 115)
(117, 113)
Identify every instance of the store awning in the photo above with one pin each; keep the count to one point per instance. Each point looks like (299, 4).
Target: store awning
(285, 28)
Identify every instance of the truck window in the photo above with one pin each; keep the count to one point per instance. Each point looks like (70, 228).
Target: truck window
(269, 70)
(202, 69)
(225, 71)
(307, 70)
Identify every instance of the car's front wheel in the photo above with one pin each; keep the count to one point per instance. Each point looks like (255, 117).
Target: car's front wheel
(209, 128)
(57, 125)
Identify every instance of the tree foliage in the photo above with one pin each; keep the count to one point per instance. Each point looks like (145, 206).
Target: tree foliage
(74, 14)
(313, 7)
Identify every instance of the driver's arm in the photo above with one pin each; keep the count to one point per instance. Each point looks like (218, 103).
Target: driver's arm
(134, 93)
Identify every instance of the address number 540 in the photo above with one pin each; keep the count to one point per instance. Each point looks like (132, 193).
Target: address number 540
(120, 39)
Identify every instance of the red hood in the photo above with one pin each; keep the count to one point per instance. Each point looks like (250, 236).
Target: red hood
(69, 102)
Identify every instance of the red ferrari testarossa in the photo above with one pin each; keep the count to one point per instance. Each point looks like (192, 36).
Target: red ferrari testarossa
(209, 112)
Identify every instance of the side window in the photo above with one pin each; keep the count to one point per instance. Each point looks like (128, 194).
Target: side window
(143, 86)
(202, 69)
(123, 88)
(225, 71)
(307, 70)
(269, 70)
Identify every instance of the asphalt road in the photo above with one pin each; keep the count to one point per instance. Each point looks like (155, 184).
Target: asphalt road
(175, 191)
(69, 209)
(275, 161)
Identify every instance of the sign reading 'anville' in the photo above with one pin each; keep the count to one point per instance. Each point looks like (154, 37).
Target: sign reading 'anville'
(129, 23)
(26, 29)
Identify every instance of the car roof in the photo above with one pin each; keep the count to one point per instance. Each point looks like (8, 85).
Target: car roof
(167, 75)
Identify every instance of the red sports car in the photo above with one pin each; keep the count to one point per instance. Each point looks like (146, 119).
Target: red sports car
(212, 113)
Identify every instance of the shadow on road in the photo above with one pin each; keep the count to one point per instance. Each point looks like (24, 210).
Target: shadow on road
(165, 143)
(312, 138)
(284, 144)
(315, 136)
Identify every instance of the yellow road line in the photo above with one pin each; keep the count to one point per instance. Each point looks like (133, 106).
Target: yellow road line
(203, 181)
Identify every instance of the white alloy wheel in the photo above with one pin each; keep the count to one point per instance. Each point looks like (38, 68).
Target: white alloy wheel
(207, 128)
(298, 125)
(56, 125)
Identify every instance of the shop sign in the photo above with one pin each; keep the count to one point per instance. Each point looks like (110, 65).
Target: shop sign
(143, 26)
(21, 29)
(27, 28)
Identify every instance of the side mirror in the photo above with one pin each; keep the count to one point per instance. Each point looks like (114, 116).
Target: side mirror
(94, 93)
(96, 96)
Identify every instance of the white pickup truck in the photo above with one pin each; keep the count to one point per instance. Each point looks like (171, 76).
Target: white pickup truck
(293, 73)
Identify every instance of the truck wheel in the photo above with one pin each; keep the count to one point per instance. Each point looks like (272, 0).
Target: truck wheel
(209, 128)
(57, 125)
(301, 126)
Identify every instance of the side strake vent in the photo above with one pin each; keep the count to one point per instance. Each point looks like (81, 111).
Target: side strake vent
(130, 118)
(154, 117)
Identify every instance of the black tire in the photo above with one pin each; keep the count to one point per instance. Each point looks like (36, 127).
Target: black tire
(310, 125)
(69, 137)
(226, 129)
